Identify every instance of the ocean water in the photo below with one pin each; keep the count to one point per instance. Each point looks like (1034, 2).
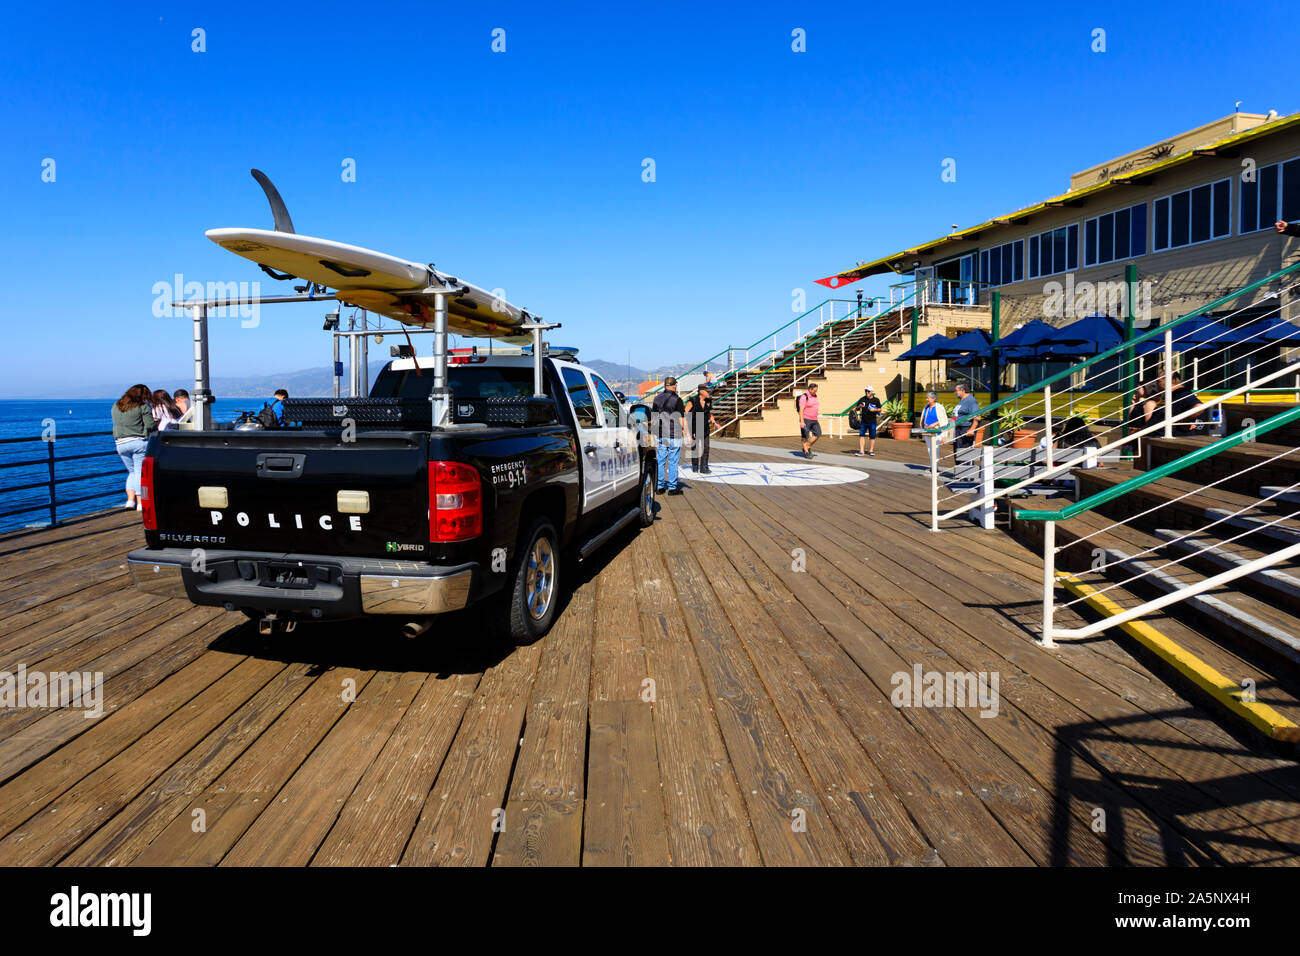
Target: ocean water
(76, 477)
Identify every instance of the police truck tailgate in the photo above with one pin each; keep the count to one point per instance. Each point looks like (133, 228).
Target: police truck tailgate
(281, 490)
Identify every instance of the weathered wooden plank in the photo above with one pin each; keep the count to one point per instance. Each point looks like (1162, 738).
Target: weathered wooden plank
(543, 819)
(705, 814)
(623, 823)
(79, 811)
(98, 741)
(874, 825)
(289, 830)
(232, 802)
(378, 818)
(1179, 801)
(461, 817)
(121, 839)
(624, 820)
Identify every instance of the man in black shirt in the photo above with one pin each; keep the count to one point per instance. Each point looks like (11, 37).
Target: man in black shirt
(668, 423)
(700, 412)
(868, 409)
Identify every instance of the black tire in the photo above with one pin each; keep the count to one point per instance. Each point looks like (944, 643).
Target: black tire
(512, 614)
(646, 496)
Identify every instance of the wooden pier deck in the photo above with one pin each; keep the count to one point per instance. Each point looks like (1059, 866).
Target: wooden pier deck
(717, 690)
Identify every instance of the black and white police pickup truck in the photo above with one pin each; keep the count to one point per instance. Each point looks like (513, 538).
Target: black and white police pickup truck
(364, 506)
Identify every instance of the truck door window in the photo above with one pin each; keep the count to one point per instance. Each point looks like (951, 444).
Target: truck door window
(584, 409)
(608, 403)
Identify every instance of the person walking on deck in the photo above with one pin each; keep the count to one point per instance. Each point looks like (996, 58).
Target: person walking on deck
(133, 423)
(868, 410)
(808, 408)
(671, 429)
(700, 414)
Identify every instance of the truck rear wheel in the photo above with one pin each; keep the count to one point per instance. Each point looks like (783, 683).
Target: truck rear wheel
(525, 611)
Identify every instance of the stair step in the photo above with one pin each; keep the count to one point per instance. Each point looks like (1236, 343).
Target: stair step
(1241, 469)
(1139, 561)
(1186, 504)
(1288, 494)
(1191, 658)
(1280, 583)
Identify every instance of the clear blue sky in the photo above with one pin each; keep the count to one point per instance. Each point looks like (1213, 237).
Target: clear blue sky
(523, 169)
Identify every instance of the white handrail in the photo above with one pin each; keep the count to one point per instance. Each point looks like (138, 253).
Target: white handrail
(1160, 603)
(1055, 470)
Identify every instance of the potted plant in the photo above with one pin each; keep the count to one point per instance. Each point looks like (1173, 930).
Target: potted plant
(900, 422)
(1014, 422)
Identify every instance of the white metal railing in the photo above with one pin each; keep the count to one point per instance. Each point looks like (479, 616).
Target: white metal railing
(1055, 409)
(1133, 561)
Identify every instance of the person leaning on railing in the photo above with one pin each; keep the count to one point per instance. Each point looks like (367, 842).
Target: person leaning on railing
(133, 423)
(1287, 228)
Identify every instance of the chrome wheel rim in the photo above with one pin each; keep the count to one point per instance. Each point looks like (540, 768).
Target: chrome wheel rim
(648, 497)
(539, 581)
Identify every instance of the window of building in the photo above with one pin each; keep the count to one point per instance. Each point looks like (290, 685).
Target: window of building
(1055, 251)
(1116, 235)
(1273, 194)
(1003, 264)
(1193, 215)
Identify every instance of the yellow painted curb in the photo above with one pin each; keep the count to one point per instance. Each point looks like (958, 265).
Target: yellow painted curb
(1260, 716)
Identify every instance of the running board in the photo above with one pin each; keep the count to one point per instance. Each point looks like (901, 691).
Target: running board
(594, 543)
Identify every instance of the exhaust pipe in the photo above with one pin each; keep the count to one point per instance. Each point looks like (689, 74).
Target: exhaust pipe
(416, 628)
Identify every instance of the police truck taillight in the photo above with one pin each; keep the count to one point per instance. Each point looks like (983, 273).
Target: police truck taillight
(455, 502)
(148, 512)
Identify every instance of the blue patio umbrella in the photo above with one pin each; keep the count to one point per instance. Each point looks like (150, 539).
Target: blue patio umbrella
(1090, 335)
(925, 351)
(973, 343)
(1199, 334)
(1030, 336)
(1273, 329)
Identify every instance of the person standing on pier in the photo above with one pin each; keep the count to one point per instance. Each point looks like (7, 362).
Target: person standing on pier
(133, 423)
(671, 429)
(700, 412)
(868, 409)
(967, 407)
(809, 408)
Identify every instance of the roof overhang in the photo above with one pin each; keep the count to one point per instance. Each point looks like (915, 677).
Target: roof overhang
(902, 262)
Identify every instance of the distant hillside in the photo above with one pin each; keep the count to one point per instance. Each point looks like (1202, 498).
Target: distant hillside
(320, 381)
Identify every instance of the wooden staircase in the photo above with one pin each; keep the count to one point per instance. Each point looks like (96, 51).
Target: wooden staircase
(836, 345)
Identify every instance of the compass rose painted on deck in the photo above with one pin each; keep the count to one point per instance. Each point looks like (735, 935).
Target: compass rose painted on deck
(772, 473)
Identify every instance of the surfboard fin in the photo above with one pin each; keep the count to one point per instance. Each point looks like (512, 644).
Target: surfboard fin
(279, 211)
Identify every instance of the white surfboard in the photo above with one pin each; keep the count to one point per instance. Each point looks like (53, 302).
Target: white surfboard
(376, 282)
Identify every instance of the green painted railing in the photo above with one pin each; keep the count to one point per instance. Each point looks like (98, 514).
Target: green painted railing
(1165, 470)
(899, 307)
(762, 338)
(1151, 333)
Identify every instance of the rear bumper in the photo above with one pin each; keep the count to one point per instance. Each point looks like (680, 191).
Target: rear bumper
(315, 586)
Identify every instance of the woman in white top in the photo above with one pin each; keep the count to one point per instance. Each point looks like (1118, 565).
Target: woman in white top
(165, 411)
